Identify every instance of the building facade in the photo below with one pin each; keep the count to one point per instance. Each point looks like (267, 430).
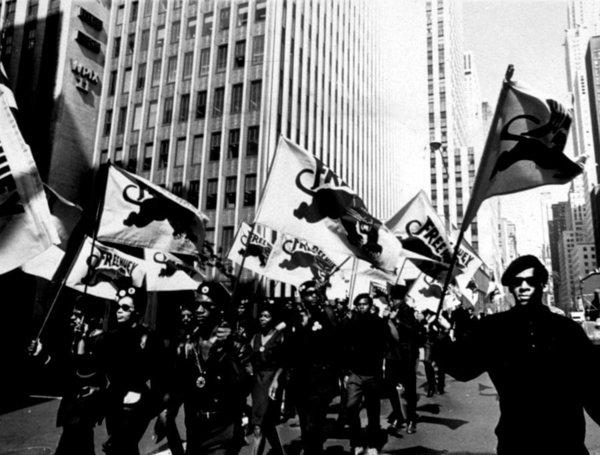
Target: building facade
(199, 93)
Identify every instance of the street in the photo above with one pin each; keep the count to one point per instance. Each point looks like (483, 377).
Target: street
(460, 422)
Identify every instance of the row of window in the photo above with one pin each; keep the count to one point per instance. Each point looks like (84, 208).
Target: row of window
(184, 108)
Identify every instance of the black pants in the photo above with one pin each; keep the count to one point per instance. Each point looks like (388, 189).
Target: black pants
(363, 388)
(126, 427)
(436, 378)
(312, 412)
(76, 438)
(405, 374)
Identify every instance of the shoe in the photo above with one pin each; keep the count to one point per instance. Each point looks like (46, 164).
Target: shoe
(411, 427)
(358, 450)
(372, 451)
(397, 425)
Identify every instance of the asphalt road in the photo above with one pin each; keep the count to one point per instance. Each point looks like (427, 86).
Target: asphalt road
(461, 421)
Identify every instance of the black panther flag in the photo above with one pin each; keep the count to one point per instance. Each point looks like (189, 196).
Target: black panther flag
(137, 212)
(305, 198)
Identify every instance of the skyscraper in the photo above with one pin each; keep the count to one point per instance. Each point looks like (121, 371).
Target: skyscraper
(198, 94)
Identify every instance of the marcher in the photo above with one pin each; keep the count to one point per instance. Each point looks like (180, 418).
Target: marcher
(542, 364)
(133, 359)
(214, 379)
(268, 351)
(434, 333)
(314, 365)
(365, 342)
(406, 335)
(81, 407)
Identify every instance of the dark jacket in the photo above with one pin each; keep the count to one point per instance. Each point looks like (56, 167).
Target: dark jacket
(365, 338)
(545, 370)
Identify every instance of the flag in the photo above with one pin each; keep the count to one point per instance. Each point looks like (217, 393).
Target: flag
(426, 292)
(251, 245)
(139, 213)
(166, 272)
(469, 262)
(98, 270)
(524, 148)
(305, 198)
(294, 261)
(26, 228)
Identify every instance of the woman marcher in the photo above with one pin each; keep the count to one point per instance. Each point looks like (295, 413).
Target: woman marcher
(267, 358)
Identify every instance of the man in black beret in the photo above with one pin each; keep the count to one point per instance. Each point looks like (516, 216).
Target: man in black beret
(543, 366)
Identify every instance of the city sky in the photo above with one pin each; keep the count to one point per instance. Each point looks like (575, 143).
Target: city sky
(530, 35)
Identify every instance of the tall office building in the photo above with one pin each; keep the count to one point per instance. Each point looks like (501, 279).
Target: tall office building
(198, 93)
(592, 65)
(53, 53)
(559, 223)
(453, 96)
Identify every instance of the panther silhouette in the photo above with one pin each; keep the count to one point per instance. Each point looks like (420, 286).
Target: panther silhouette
(159, 208)
(258, 251)
(348, 208)
(419, 246)
(543, 145)
(317, 265)
(433, 290)
(97, 275)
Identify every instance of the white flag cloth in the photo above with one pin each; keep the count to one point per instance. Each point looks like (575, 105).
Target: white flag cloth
(426, 292)
(26, 228)
(166, 272)
(102, 268)
(46, 264)
(139, 213)
(303, 197)
(524, 148)
(294, 261)
(254, 246)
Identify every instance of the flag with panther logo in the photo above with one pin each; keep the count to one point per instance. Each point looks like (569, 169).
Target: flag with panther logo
(167, 272)
(305, 198)
(251, 249)
(98, 269)
(137, 212)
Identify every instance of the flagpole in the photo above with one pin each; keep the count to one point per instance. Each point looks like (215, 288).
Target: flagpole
(471, 208)
(401, 269)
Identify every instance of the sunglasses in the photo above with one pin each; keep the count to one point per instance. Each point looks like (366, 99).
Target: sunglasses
(126, 307)
(530, 280)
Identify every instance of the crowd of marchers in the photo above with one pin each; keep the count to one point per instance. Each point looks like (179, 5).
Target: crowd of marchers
(237, 375)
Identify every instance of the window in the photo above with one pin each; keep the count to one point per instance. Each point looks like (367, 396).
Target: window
(156, 73)
(119, 156)
(221, 58)
(168, 111)
(163, 154)
(201, 104)
(32, 8)
(126, 80)
(212, 186)
(252, 145)
(152, 110)
(116, 46)
(227, 240)
(184, 107)
(204, 61)
(180, 152)
(190, 31)
(120, 14)
(30, 34)
(141, 77)
(112, 83)
(260, 11)
(197, 149)
(145, 40)
(136, 124)
(218, 102)
(147, 164)
(147, 8)
(134, 11)
(224, 19)
(104, 156)
(193, 191)
(250, 190)
(207, 24)
(160, 36)
(242, 14)
(177, 188)
(122, 120)
(239, 54)
(258, 49)
(171, 68)
(236, 98)
(175, 29)
(215, 146)
(188, 58)
(255, 94)
(234, 143)
(108, 122)
(130, 44)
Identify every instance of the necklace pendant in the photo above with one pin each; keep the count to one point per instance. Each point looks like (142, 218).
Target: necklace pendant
(200, 382)
(261, 349)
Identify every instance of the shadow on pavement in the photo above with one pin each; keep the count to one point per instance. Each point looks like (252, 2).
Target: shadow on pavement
(453, 424)
(29, 451)
(431, 408)
(24, 403)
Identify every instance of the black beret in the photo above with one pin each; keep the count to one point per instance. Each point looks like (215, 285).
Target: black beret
(523, 263)
(213, 291)
(307, 285)
(397, 291)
